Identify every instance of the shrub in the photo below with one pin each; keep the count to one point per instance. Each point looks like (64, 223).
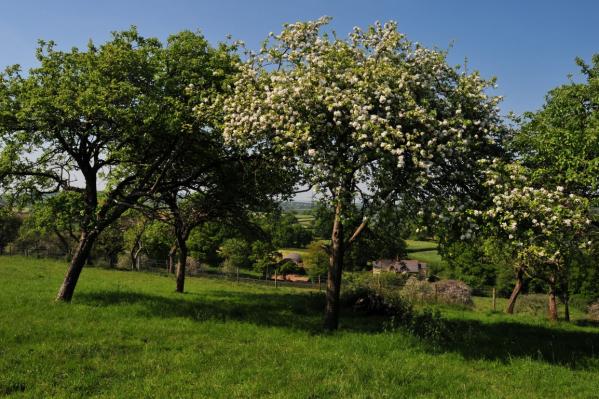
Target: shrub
(123, 261)
(418, 290)
(453, 292)
(593, 311)
(367, 293)
(362, 292)
(426, 324)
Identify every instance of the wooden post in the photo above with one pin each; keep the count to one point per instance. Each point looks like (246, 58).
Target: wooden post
(237, 272)
(319, 285)
(494, 300)
(276, 279)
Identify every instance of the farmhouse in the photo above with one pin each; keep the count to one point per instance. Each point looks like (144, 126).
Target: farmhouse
(407, 266)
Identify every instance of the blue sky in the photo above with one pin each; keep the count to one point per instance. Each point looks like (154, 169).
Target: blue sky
(529, 45)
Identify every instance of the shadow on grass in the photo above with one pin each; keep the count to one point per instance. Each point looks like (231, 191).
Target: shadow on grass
(288, 310)
(473, 339)
(507, 340)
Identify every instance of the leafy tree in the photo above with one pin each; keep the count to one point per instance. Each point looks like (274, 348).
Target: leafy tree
(109, 245)
(264, 256)
(205, 241)
(478, 263)
(59, 215)
(122, 113)
(101, 114)
(284, 229)
(316, 261)
(373, 118)
(147, 236)
(560, 142)
(236, 254)
(210, 180)
(542, 230)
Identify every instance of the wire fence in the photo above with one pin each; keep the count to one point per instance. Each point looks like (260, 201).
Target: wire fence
(195, 269)
(163, 267)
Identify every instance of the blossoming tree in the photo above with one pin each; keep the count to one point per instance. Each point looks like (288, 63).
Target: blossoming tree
(370, 119)
(544, 229)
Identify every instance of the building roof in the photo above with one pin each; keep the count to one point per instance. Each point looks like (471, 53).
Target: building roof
(400, 265)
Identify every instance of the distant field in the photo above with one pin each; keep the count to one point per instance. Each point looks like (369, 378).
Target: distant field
(128, 335)
(425, 251)
(305, 219)
(287, 251)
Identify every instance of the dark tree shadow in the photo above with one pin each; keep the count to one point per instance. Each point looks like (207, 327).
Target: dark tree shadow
(505, 341)
(502, 341)
(297, 311)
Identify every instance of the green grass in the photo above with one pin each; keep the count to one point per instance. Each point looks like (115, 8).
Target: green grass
(415, 245)
(425, 251)
(127, 334)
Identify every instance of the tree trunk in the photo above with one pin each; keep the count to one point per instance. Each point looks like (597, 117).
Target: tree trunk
(552, 301)
(565, 295)
(86, 242)
(181, 265)
(331, 315)
(181, 236)
(566, 307)
(517, 288)
(171, 258)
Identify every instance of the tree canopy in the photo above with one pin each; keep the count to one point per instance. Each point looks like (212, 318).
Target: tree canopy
(113, 118)
(560, 142)
(371, 118)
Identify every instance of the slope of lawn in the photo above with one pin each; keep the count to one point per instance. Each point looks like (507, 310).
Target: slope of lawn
(127, 334)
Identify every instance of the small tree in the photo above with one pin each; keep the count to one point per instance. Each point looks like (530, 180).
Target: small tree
(316, 261)
(543, 229)
(372, 119)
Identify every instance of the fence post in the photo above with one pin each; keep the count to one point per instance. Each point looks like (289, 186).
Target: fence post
(276, 279)
(237, 273)
(319, 285)
(494, 300)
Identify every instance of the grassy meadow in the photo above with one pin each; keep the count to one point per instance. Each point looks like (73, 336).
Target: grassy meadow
(128, 334)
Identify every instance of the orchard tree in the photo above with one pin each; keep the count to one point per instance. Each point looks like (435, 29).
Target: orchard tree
(227, 187)
(560, 142)
(370, 119)
(110, 118)
(544, 230)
